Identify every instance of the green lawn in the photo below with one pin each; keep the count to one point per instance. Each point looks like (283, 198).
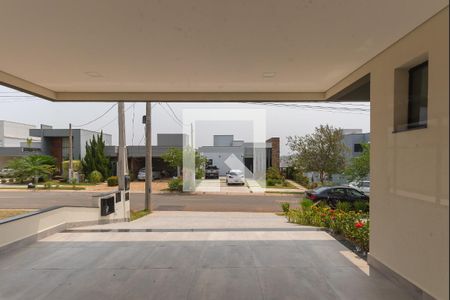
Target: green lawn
(62, 188)
(138, 214)
(287, 185)
(78, 184)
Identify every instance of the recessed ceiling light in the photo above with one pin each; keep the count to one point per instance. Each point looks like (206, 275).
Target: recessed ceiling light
(93, 74)
(269, 74)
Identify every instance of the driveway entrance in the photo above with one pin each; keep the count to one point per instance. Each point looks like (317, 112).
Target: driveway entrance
(220, 186)
(191, 255)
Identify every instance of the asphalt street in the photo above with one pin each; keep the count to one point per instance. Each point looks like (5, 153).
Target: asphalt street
(161, 202)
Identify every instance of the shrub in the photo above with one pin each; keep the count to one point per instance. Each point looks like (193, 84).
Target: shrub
(95, 177)
(73, 181)
(4, 181)
(270, 182)
(274, 173)
(361, 206)
(354, 226)
(313, 185)
(112, 181)
(306, 203)
(199, 173)
(344, 206)
(47, 185)
(32, 167)
(76, 167)
(301, 179)
(11, 180)
(285, 206)
(274, 182)
(176, 184)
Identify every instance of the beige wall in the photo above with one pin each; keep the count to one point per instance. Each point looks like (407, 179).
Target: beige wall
(410, 193)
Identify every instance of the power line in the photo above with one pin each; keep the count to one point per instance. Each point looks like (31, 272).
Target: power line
(17, 101)
(353, 110)
(171, 116)
(17, 96)
(175, 115)
(318, 106)
(143, 136)
(92, 121)
(115, 118)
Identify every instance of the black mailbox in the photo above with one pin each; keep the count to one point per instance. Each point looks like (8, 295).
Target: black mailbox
(127, 196)
(127, 182)
(107, 206)
(118, 198)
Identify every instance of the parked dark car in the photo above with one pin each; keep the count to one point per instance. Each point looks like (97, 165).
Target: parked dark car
(334, 194)
(211, 172)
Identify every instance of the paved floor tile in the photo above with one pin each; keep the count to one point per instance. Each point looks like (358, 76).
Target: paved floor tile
(192, 256)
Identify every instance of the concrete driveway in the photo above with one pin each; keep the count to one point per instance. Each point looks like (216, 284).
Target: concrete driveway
(191, 255)
(220, 186)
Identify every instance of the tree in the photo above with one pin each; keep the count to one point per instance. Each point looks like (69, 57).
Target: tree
(200, 164)
(322, 151)
(29, 142)
(174, 158)
(359, 167)
(95, 158)
(33, 166)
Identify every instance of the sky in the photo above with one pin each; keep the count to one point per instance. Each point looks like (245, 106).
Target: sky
(282, 120)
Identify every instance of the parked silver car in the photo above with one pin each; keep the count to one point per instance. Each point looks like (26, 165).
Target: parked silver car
(5, 172)
(363, 186)
(141, 174)
(235, 177)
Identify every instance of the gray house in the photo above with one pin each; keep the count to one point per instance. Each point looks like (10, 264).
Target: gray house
(55, 142)
(136, 154)
(353, 139)
(226, 152)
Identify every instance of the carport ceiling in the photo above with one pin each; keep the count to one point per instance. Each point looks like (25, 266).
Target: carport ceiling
(197, 45)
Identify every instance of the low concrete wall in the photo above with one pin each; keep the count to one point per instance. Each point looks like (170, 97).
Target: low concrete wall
(33, 226)
(24, 229)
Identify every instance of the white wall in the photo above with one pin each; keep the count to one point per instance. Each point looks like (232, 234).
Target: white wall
(12, 133)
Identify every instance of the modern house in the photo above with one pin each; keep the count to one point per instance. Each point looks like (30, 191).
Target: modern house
(13, 134)
(225, 149)
(15, 141)
(55, 142)
(224, 146)
(52, 141)
(353, 139)
(136, 154)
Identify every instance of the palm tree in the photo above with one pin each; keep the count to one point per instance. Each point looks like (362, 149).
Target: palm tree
(33, 166)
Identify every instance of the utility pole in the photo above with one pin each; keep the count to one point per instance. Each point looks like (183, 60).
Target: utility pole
(148, 156)
(70, 154)
(121, 153)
